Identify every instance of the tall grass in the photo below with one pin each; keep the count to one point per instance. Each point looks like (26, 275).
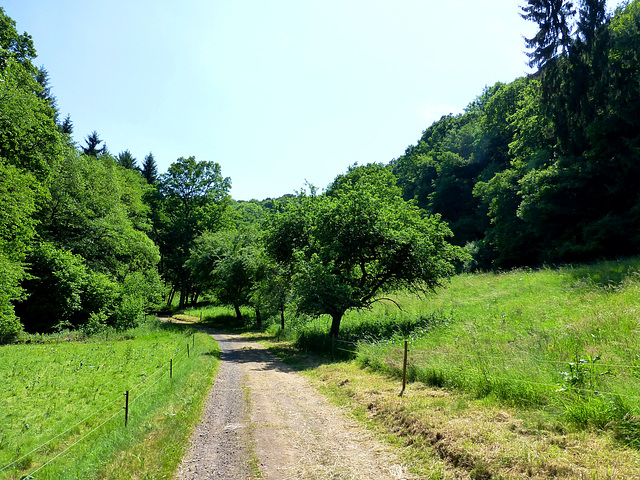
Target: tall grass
(559, 339)
(57, 395)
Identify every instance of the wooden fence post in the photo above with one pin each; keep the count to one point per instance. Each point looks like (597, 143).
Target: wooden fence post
(404, 368)
(126, 408)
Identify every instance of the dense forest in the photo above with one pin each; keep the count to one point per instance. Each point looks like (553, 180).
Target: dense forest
(543, 169)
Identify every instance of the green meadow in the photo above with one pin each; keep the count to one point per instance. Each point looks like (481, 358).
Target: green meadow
(64, 402)
(561, 340)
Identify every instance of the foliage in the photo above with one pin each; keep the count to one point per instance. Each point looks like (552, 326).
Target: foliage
(359, 240)
(228, 264)
(191, 198)
(540, 170)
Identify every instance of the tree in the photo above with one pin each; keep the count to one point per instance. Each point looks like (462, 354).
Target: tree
(363, 240)
(229, 264)
(193, 197)
(150, 169)
(93, 141)
(66, 126)
(17, 205)
(554, 34)
(14, 46)
(126, 160)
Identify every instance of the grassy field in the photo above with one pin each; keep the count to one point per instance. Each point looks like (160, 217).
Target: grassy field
(520, 374)
(63, 403)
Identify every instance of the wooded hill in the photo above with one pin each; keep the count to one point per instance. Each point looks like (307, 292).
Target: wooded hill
(544, 169)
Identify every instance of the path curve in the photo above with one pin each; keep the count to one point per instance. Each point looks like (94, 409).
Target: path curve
(262, 418)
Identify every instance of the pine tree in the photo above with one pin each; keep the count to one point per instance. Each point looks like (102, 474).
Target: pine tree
(126, 160)
(92, 141)
(150, 169)
(554, 35)
(66, 126)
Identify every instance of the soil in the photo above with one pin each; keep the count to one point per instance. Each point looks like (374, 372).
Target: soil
(264, 420)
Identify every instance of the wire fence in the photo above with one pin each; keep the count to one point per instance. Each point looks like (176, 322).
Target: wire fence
(580, 368)
(161, 373)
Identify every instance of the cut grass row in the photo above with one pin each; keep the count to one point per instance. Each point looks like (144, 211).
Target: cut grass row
(71, 394)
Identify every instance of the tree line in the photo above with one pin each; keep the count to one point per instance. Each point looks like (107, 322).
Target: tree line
(544, 169)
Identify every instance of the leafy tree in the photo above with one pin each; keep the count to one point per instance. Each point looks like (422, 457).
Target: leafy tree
(93, 148)
(230, 265)
(150, 169)
(192, 198)
(29, 138)
(15, 46)
(17, 205)
(126, 160)
(364, 240)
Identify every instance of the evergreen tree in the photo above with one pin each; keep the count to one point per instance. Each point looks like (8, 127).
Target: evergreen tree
(42, 77)
(93, 141)
(150, 169)
(66, 126)
(126, 160)
(554, 35)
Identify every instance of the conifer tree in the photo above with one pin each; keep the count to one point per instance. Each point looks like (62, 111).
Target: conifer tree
(150, 169)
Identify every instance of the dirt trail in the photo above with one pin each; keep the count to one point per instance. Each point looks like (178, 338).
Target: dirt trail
(263, 420)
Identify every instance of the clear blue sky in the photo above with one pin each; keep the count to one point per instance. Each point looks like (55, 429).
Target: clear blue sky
(278, 92)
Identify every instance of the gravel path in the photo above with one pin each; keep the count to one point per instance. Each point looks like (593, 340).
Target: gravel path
(263, 420)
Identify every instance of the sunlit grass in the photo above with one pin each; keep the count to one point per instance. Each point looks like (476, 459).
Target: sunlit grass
(563, 340)
(54, 394)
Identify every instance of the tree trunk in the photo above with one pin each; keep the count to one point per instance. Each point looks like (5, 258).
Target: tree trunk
(172, 293)
(335, 324)
(282, 318)
(238, 313)
(258, 318)
(183, 293)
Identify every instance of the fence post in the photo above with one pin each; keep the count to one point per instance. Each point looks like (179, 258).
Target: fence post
(188, 350)
(126, 408)
(404, 368)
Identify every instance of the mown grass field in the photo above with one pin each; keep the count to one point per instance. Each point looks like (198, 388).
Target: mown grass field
(520, 374)
(63, 403)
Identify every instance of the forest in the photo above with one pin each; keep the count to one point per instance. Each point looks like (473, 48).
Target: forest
(543, 170)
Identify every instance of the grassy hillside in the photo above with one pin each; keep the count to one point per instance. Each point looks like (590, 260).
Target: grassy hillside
(519, 374)
(561, 340)
(63, 403)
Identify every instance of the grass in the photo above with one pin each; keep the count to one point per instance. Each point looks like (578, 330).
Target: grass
(64, 394)
(527, 373)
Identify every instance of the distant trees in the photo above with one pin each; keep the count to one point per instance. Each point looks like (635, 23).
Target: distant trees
(537, 170)
(192, 197)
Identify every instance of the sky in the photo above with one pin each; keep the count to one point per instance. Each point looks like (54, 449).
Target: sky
(280, 93)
